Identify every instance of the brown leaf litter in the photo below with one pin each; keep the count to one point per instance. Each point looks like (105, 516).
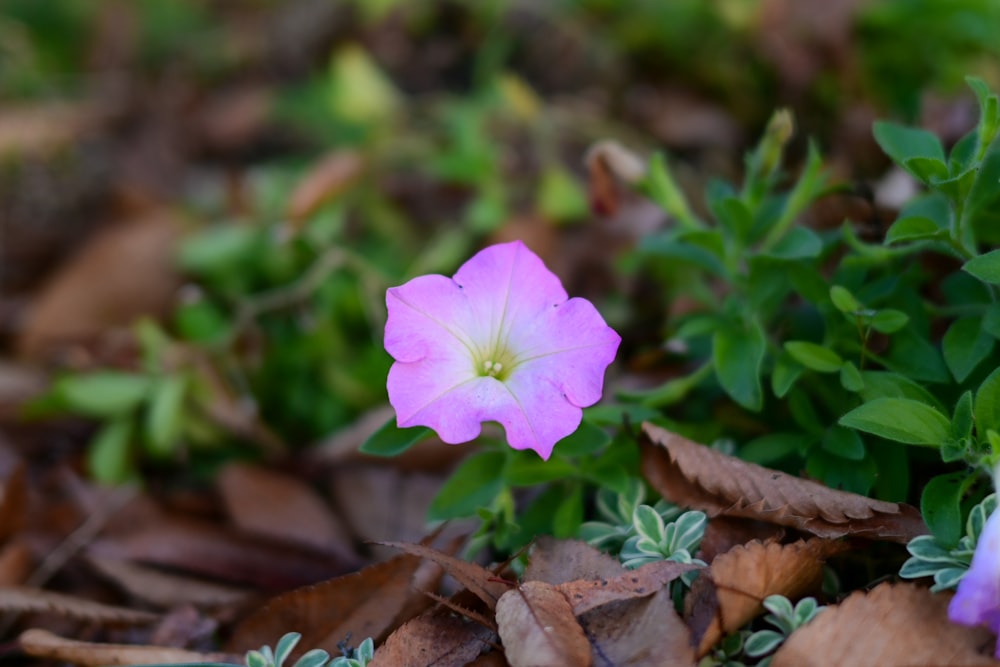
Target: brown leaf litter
(692, 475)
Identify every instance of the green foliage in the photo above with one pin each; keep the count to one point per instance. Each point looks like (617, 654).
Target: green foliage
(930, 556)
(834, 337)
(786, 618)
(266, 657)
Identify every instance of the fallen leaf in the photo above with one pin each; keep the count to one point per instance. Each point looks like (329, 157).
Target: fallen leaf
(538, 628)
(281, 507)
(437, 638)
(729, 593)
(325, 180)
(43, 644)
(693, 475)
(481, 582)
(607, 163)
(639, 633)
(363, 604)
(217, 551)
(893, 625)
(561, 561)
(22, 599)
(585, 595)
(97, 289)
(166, 590)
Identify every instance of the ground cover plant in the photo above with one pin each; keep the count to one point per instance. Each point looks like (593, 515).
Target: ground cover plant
(376, 333)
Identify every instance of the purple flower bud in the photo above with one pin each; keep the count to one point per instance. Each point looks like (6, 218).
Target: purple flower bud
(977, 601)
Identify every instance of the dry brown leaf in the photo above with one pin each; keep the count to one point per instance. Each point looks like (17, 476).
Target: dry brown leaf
(324, 181)
(363, 604)
(893, 625)
(693, 475)
(166, 590)
(395, 506)
(281, 507)
(607, 163)
(561, 561)
(436, 638)
(585, 595)
(43, 644)
(480, 581)
(124, 271)
(538, 628)
(639, 633)
(21, 599)
(218, 552)
(729, 593)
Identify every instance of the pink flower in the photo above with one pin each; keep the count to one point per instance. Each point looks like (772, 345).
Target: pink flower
(498, 342)
(977, 601)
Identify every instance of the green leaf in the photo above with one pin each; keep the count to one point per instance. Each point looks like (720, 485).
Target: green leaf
(738, 354)
(587, 439)
(814, 357)
(913, 229)
(840, 473)
(164, 418)
(885, 384)
(928, 170)
(850, 377)
(843, 300)
(962, 421)
(772, 447)
(762, 642)
(568, 515)
(526, 468)
(844, 442)
(903, 143)
(798, 243)
(985, 267)
(900, 419)
(560, 197)
(889, 321)
(987, 404)
(661, 187)
(916, 357)
(786, 372)
(473, 484)
(991, 320)
(649, 524)
(941, 506)
(390, 440)
(217, 249)
(103, 394)
(965, 345)
(109, 458)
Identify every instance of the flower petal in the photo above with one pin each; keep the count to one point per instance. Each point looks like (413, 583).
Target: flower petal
(570, 346)
(977, 600)
(424, 316)
(507, 286)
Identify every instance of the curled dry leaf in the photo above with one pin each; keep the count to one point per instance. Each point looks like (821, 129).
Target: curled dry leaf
(639, 633)
(480, 581)
(890, 626)
(538, 628)
(693, 475)
(436, 638)
(364, 604)
(44, 644)
(608, 162)
(729, 593)
(21, 599)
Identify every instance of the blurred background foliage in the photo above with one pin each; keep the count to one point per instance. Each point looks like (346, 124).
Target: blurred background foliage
(315, 153)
